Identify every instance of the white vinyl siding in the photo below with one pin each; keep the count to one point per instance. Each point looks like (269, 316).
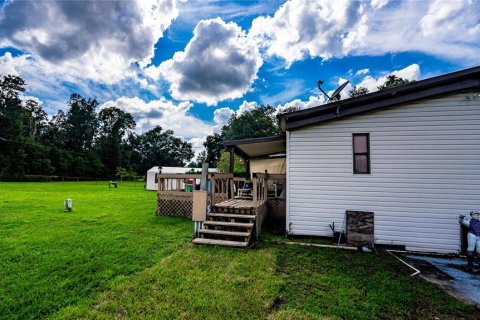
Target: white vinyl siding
(425, 171)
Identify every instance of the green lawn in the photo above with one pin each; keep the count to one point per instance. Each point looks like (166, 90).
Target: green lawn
(113, 258)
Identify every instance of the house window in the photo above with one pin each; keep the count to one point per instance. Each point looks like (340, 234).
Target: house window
(361, 153)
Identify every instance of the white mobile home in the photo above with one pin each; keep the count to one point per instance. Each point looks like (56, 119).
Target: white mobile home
(410, 155)
(152, 183)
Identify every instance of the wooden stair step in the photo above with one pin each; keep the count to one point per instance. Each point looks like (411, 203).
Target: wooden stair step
(231, 215)
(225, 233)
(228, 224)
(220, 242)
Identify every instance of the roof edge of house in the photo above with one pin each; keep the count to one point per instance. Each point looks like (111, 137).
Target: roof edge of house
(231, 143)
(458, 81)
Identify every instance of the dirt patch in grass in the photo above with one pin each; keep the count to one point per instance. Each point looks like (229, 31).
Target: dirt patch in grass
(277, 303)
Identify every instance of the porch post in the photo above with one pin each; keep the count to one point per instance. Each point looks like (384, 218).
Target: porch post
(232, 159)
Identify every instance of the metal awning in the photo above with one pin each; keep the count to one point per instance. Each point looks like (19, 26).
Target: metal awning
(258, 147)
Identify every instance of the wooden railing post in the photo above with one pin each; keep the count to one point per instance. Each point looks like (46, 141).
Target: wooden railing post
(232, 188)
(255, 187)
(265, 186)
(214, 187)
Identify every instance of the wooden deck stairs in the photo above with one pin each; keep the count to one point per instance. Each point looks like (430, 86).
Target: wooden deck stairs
(234, 221)
(230, 223)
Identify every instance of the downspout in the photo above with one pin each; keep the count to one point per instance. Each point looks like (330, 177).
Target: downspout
(287, 184)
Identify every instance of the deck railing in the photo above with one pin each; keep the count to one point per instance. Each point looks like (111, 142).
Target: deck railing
(260, 186)
(175, 194)
(177, 182)
(222, 187)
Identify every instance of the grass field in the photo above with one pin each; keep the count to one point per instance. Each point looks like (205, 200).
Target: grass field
(113, 258)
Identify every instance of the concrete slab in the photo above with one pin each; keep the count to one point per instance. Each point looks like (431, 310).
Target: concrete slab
(451, 275)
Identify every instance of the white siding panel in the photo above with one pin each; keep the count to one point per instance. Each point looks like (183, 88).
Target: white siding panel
(425, 163)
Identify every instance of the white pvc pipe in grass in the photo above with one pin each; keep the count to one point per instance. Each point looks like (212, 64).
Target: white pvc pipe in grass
(416, 271)
(316, 245)
(410, 266)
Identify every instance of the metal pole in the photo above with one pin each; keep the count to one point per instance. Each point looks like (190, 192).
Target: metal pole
(203, 181)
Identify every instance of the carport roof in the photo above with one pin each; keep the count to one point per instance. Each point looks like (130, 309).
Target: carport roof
(258, 147)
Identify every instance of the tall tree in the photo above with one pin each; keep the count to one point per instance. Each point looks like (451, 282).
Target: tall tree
(258, 122)
(223, 163)
(35, 119)
(12, 134)
(81, 123)
(213, 146)
(393, 81)
(289, 109)
(201, 158)
(115, 125)
(160, 148)
(255, 123)
(357, 91)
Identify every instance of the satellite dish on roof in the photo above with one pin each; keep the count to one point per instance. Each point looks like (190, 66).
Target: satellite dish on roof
(336, 94)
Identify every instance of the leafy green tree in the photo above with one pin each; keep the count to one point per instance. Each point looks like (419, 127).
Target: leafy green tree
(12, 134)
(213, 146)
(121, 172)
(55, 131)
(357, 91)
(201, 158)
(255, 123)
(160, 148)
(223, 164)
(79, 129)
(114, 126)
(193, 165)
(81, 123)
(35, 119)
(393, 81)
(78, 142)
(289, 109)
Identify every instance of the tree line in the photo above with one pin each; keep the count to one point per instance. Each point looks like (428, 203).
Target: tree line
(82, 141)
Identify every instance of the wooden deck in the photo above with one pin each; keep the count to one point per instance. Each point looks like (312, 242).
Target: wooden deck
(234, 221)
(240, 203)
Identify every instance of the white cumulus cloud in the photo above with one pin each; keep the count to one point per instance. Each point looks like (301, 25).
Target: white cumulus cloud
(448, 29)
(96, 40)
(377, 4)
(313, 101)
(362, 72)
(411, 72)
(301, 29)
(220, 62)
(221, 116)
(165, 113)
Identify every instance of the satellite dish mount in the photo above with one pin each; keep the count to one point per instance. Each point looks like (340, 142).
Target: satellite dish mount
(336, 94)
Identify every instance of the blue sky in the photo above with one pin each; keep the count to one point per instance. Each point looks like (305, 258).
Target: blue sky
(189, 65)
